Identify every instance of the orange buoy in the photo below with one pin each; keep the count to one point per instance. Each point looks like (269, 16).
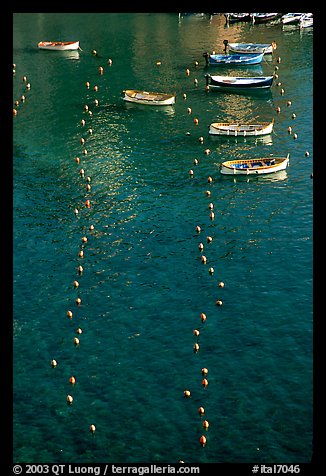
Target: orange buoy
(189, 110)
(209, 179)
(76, 341)
(212, 215)
(79, 330)
(201, 139)
(203, 440)
(69, 314)
(218, 302)
(69, 399)
(205, 424)
(201, 410)
(54, 363)
(198, 229)
(101, 70)
(84, 239)
(196, 332)
(207, 151)
(211, 206)
(208, 193)
(196, 121)
(196, 347)
(85, 151)
(196, 162)
(221, 284)
(92, 428)
(95, 88)
(204, 259)
(80, 269)
(110, 62)
(78, 301)
(77, 159)
(204, 371)
(191, 173)
(87, 84)
(76, 284)
(187, 393)
(72, 380)
(209, 239)
(196, 81)
(200, 246)
(15, 112)
(187, 72)
(91, 227)
(81, 254)
(82, 140)
(278, 109)
(211, 270)
(204, 382)
(203, 317)
(88, 204)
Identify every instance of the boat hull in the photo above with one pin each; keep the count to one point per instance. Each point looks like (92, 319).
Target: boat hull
(58, 45)
(261, 166)
(233, 59)
(241, 130)
(234, 83)
(148, 98)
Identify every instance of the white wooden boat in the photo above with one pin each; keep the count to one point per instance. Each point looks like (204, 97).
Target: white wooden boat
(259, 166)
(237, 17)
(234, 83)
(291, 18)
(58, 45)
(149, 98)
(240, 129)
(306, 21)
(264, 17)
(266, 48)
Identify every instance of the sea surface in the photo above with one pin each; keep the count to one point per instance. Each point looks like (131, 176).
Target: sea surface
(144, 286)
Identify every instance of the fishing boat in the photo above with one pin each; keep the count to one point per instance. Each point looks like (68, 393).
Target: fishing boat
(291, 18)
(234, 59)
(150, 98)
(232, 83)
(237, 17)
(243, 48)
(259, 166)
(58, 45)
(237, 129)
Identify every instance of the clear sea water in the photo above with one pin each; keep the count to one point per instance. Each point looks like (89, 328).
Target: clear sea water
(143, 286)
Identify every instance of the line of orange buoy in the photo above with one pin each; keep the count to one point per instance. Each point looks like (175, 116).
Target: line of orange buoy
(84, 239)
(27, 87)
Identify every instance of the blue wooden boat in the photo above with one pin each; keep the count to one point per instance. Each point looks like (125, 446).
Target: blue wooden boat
(234, 83)
(233, 59)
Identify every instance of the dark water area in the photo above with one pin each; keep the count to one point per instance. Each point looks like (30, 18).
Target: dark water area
(143, 286)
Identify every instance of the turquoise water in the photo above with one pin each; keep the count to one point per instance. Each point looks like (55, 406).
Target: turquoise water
(143, 285)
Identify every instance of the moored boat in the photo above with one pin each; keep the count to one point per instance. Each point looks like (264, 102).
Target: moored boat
(291, 18)
(148, 98)
(237, 129)
(266, 48)
(264, 17)
(258, 166)
(306, 21)
(237, 17)
(232, 83)
(58, 45)
(233, 59)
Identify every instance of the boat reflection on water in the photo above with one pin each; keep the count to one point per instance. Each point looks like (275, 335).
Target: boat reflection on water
(168, 110)
(70, 55)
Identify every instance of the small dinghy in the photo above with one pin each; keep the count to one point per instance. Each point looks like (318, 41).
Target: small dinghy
(237, 129)
(58, 45)
(148, 98)
(233, 59)
(259, 166)
(238, 82)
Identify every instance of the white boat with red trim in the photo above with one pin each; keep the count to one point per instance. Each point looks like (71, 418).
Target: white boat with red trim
(58, 45)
